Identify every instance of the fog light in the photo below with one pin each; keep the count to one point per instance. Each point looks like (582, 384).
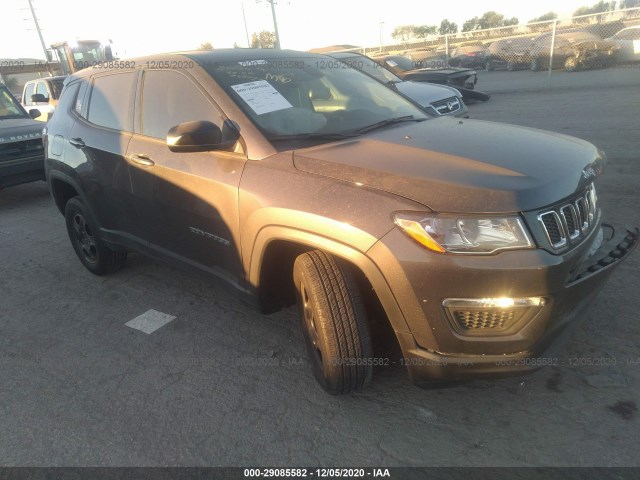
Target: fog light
(491, 316)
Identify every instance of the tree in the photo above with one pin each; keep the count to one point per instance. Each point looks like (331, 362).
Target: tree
(205, 46)
(263, 39)
(510, 21)
(423, 31)
(471, 24)
(547, 17)
(406, 33)
(491, 19)
(600, 7)
(629, 4)
(447, 27)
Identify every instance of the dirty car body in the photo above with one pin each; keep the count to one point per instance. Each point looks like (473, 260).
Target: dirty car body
(297, 180)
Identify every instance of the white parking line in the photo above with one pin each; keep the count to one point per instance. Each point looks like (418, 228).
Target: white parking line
(150, 321)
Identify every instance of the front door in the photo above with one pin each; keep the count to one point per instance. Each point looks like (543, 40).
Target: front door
(187, 203)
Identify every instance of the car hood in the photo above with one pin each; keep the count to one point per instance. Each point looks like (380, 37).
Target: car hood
(19, 129)
(451, 165)
(425, 93)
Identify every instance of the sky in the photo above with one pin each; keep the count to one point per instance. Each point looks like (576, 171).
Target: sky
(141, 27)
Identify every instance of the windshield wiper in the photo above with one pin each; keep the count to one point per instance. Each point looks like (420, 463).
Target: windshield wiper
(314, 136)
(389, 121)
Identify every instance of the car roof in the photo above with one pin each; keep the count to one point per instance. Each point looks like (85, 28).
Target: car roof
(58, 77)
(204, 57)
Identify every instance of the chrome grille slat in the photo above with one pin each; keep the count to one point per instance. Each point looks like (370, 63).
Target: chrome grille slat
(570, 222)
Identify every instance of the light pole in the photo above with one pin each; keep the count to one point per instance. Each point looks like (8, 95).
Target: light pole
(381, 24)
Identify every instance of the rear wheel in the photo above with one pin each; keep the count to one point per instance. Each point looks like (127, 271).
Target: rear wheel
(334, 323)
(91, 250)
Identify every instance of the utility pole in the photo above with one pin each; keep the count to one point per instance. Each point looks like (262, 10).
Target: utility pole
(275, 23)
(246, 30)
(35, 20)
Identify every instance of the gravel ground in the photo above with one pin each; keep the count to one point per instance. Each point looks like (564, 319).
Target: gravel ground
(222, 385)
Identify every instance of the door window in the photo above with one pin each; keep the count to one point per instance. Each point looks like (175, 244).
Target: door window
(42, 90)
(110, 104)
(170, 98)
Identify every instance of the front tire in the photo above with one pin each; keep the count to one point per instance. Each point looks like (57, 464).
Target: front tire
(91, 250)
(334, 323)
(571, 64)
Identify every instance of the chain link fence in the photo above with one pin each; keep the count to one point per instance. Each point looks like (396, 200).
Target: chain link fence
(579, 43)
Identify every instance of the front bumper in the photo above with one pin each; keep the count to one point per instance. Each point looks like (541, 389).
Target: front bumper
(433, 350)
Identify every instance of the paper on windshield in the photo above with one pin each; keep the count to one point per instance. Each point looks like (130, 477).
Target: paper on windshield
(261, 96)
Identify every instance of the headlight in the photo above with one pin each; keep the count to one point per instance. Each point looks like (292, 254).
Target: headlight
(465, 234)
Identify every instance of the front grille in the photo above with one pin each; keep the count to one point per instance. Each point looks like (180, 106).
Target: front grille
(570, 222)
(484, 319)
(20, 150)
(447, 106)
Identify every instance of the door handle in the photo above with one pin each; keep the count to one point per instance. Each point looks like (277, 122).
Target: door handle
(77, 142)
(142, 159)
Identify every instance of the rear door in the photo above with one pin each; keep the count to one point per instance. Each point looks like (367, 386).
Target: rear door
(100, 138)
(187, 202)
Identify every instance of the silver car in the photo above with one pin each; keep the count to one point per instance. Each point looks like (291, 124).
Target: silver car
(629, 41)
(435, 99)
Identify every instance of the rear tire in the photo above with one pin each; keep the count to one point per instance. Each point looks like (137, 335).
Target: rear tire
(334, 323)
(91, 250)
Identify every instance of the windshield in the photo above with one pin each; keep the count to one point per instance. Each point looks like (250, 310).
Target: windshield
(317, 96)
(372, 68)
(9, 107)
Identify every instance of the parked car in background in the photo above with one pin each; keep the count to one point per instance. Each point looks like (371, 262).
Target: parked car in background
(574, 51)
(462, 79)
(21, 151)
(43, 94)
(428, 57)
(435, 99)
(474, 246)
(628, 41)
(509, 54)
(469, 56)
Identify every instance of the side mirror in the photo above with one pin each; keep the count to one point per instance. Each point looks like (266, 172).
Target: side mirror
(39, 98)
(201, 136)
(34, 113)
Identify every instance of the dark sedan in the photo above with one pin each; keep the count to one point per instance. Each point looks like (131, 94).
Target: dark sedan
(462, 79)
(573, 51)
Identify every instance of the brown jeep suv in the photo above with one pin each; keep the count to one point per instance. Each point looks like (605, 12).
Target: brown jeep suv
(292, 176)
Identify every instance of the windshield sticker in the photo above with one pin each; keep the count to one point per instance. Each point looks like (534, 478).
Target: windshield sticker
(252, 63)
(261, 97)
